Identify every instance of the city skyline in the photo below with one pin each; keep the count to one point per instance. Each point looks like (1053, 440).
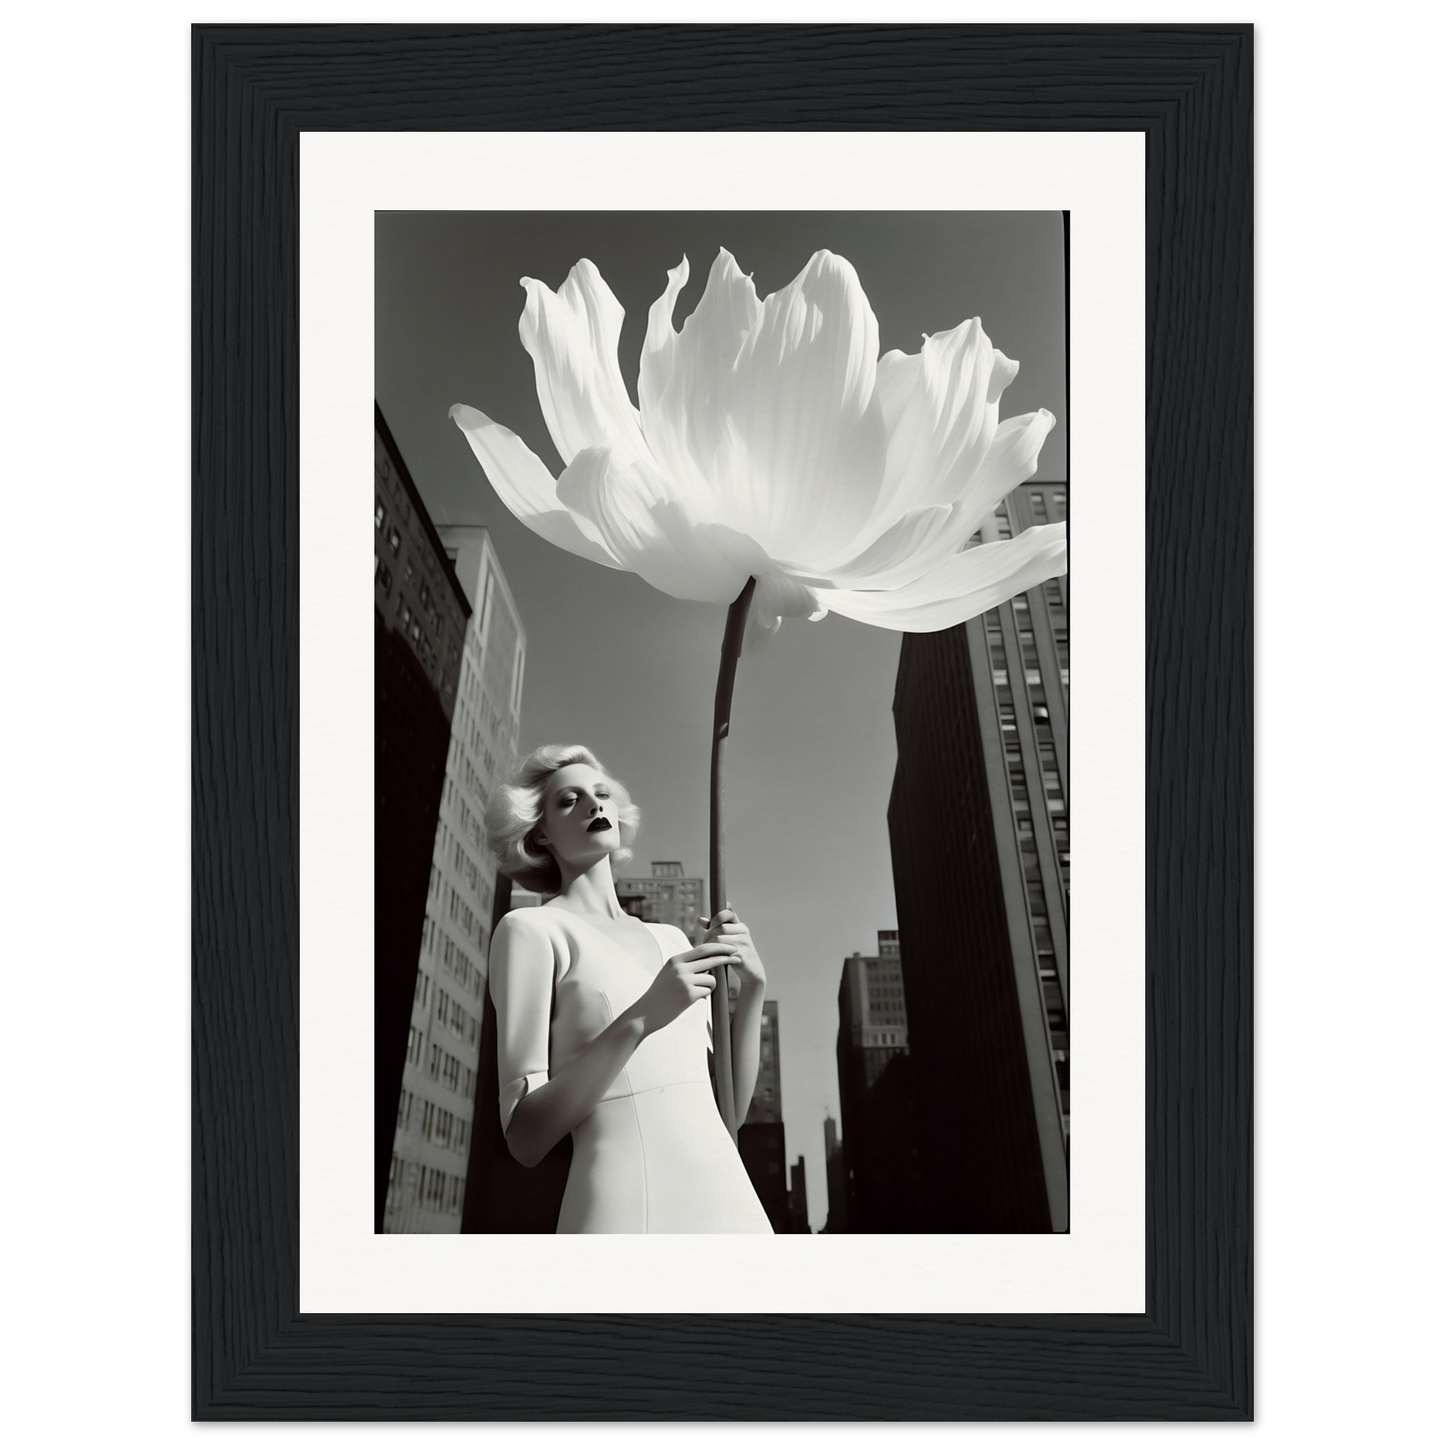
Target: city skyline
(630, 672)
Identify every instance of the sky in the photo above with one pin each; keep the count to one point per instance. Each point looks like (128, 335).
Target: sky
(630, 671)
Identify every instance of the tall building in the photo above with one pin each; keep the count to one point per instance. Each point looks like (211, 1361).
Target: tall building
(433, 1121)
(979, 827)
(760, 1136)
(421, 622)
(798, 1199)
(767, 1101)
(873, 1044)
(667, 896)
(872, 1014)
(835, 1172)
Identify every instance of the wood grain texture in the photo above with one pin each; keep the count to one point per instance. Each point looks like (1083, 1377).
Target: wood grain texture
(1189, 1355)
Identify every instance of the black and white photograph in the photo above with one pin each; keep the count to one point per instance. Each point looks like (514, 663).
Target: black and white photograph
(721, 722)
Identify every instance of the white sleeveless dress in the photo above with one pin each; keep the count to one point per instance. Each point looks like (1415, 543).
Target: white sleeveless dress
(654, 1156)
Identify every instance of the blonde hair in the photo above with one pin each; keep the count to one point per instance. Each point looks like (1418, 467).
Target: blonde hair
(515, 810)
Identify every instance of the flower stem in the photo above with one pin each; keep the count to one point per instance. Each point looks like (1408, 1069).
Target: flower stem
(722, 1038)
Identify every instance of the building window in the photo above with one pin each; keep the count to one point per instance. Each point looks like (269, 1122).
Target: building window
(436, 1182)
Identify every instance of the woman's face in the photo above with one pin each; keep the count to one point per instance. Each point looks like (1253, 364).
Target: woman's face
(579, 815)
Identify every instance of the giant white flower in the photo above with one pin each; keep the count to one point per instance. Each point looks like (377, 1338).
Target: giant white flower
(772, 441)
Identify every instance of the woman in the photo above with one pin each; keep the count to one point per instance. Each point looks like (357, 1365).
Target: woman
(603, 1021)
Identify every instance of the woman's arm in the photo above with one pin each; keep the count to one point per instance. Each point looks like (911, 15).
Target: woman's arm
(748, 1011)
(521, 978)
(546, 1113)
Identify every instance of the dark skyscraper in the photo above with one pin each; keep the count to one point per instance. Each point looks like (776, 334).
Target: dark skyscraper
(835, 1170)
(760, 1137)
(421, 620)
(798, 1198)
(979, 828)
(873, 1049)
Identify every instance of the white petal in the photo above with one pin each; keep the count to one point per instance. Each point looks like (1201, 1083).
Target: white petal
(964, 586)
(681, 385)
(572, 336)
(780, 596)
(521, 480)
(659, 348)
(1012, 458)
(775, 598)
(759, 632)
(624, 502)
(778, 593)
(923, 537)
(800, 448)
(737, 549)
(923, 532)
(926, 536)
(941, 411)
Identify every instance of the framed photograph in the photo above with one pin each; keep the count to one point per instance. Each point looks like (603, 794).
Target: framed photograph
(356, 229)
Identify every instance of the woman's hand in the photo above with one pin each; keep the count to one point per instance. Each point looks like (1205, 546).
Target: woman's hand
(681, 981)
(726, 927)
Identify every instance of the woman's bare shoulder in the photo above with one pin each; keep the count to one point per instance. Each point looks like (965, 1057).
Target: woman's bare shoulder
(527, 923)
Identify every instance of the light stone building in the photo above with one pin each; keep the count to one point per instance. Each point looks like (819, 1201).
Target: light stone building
(434, 1119)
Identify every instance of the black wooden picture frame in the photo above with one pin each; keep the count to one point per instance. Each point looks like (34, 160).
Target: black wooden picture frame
(1189, 1355)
